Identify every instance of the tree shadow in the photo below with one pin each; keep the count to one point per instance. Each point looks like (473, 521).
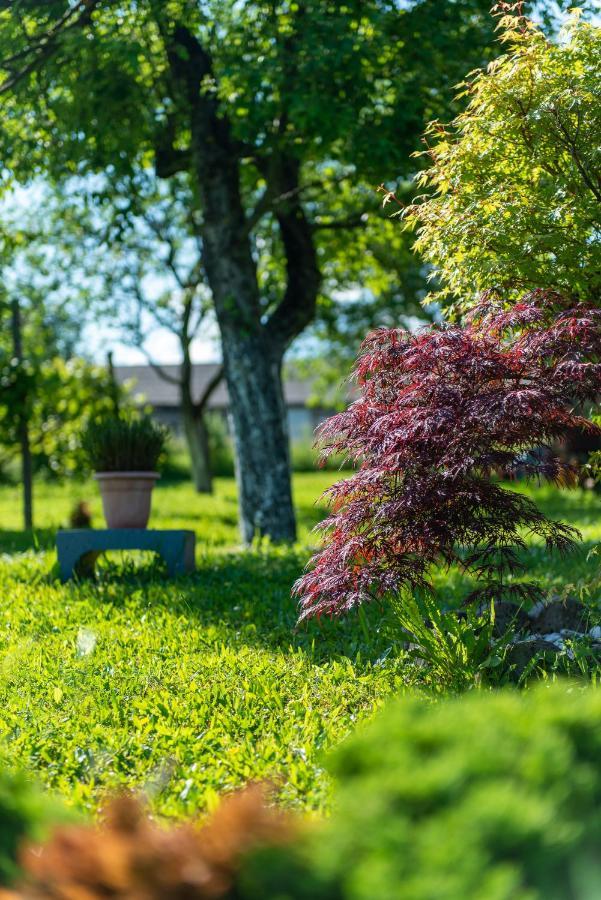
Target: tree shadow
(230, 519)
(247, 595)
(13, 541)
(252, 594)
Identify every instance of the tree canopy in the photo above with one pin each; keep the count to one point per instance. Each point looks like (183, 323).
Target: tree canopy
(320, 78)
(283, 117)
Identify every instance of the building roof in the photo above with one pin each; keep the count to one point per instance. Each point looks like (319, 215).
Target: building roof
(159, 392)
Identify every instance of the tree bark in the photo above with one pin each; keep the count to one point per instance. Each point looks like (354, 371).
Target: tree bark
(260, 437)
(252, 364)
(193, 416)
(26, 463)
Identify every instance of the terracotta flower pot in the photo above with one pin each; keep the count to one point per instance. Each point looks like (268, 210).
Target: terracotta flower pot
(126, 497)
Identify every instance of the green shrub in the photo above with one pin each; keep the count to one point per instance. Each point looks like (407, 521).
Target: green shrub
(25, 813)
(457, 651)
(483, 797)
(124, 445)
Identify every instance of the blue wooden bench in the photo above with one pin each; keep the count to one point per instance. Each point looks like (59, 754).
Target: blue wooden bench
(79, 548)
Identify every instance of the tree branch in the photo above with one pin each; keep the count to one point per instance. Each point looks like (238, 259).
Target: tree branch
(168, 161)
(156, 367)
(264, 205)
(212, 384)
(171, 259)
(142, 304)
(572, 148)
(189, 62)
(297, 307)
(270, 200)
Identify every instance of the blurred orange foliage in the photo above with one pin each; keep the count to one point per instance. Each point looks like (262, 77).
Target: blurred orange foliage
(130, 856)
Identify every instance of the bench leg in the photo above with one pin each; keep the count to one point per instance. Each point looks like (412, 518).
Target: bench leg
(172, 559)
(179, 560)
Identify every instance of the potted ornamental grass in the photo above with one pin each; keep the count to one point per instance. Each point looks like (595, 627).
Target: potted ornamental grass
(124, 454)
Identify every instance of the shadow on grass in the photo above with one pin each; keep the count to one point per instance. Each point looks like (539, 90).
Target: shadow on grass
(246, 597)
(251, 595)
(20, 541)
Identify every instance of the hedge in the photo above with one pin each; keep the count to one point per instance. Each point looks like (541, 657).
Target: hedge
(489, 796)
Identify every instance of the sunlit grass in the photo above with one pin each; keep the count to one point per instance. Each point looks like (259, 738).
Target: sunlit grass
(192, 687)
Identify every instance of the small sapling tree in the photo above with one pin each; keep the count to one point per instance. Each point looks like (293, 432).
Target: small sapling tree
(512, 192)
(441, 413)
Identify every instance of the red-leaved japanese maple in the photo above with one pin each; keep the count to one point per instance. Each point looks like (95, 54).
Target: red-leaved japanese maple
(441, 412)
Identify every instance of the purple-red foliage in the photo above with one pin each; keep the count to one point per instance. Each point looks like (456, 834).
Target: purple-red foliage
(441, 411)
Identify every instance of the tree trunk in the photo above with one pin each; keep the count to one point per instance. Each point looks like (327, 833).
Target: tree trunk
(260, 438)
(193, 413)
(252, 367)
(251, 364)
(197, 438)
(26, 463)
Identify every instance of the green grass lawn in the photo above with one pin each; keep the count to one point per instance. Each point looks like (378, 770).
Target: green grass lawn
(190, 688)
